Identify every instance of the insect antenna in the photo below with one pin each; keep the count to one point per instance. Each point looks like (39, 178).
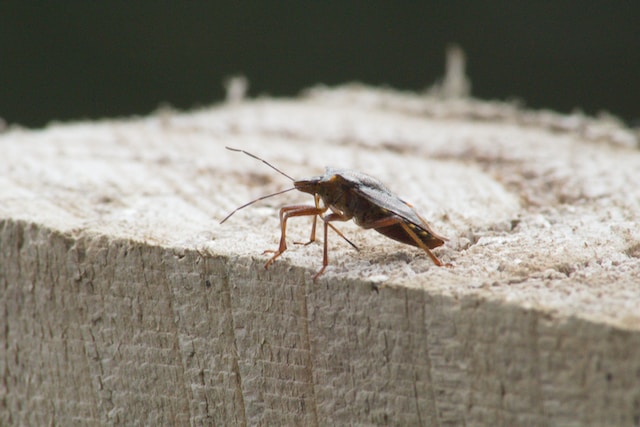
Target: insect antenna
(237, 150)
(256, 200)
(262, 160)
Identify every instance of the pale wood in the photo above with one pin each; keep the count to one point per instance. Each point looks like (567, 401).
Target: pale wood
(126, 302)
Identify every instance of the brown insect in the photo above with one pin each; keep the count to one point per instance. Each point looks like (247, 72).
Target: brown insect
(353, 195)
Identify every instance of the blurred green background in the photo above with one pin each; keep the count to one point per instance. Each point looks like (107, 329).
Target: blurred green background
(84, 60)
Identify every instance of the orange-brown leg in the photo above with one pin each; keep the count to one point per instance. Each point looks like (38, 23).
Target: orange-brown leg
(325, 258)
(393, 220)
(312, 238)
(424, 247)
(286, 213)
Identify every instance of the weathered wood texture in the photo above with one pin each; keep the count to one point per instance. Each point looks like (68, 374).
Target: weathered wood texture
(125, 302)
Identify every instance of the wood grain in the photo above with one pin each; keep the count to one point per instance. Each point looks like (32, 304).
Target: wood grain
(126, 302)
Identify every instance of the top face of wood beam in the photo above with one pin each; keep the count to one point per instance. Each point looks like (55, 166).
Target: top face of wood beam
(541, 209)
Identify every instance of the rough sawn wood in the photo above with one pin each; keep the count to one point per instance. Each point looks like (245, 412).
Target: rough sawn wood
(125, 302)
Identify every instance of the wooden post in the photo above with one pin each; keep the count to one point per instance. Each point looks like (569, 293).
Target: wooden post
(124, 301)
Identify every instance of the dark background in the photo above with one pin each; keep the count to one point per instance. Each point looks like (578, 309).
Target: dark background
(85, 60)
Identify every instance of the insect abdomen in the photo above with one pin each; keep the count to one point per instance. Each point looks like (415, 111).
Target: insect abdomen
(397, 233)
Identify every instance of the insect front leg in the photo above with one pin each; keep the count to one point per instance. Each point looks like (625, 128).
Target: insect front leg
(331, 217)
(312, 238)
(286, 213)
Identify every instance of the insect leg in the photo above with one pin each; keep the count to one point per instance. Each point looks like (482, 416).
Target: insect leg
(312, 238)
(325, 259)
(394, 220)
(286, 213)
(313, 229)
(424, 247)
(339, 233)
(426, 226)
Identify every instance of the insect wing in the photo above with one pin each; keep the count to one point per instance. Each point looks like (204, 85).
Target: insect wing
(377, 194)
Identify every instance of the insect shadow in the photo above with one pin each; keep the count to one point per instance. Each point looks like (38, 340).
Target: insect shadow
(349, 194)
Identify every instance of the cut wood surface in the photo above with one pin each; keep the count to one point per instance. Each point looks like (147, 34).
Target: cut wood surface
(126, 302)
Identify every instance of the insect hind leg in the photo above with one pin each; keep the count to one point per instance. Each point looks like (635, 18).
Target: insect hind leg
(394, 220)
(422, 246)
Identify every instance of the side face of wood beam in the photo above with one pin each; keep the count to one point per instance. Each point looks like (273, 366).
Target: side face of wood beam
(106, 331)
